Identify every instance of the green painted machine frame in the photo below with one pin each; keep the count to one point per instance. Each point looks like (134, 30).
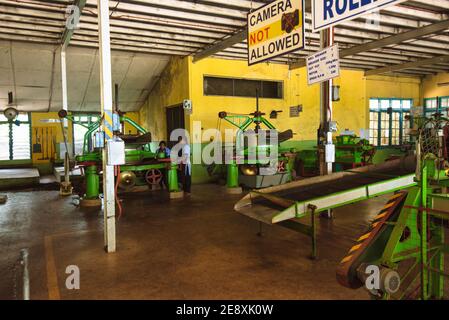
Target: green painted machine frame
(410, 239)
(91, 160)
(352, 151)
(408, 235)
(243, 123)
(287, 212)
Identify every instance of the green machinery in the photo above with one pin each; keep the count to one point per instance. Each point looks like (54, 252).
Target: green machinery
(350, 152)
(407, 241)
(296, 205)
(245, 168)
(142, 168)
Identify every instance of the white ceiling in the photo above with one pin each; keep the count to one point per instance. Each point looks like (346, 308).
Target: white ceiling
(145, 33)
(187, 27)
(32, 72)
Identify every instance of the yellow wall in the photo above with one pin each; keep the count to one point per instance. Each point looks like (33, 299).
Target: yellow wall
(183, 79)
(206, 108)
(135, 116)
(393, 87)
(430, 86)
(39, 120)
(351, 112)
(171, 89)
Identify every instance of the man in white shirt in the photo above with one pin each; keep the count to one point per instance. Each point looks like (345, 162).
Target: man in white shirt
(186, 166)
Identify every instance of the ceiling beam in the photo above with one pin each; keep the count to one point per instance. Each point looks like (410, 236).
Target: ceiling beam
(220, 46)
(236, 38)
(391, 40)
(408, 65)
(68, 33)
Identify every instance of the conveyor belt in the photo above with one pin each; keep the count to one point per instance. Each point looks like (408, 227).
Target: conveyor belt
(288, 201)
(353, 181)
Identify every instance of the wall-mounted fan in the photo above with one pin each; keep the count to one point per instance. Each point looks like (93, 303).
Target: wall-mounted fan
(10, 112)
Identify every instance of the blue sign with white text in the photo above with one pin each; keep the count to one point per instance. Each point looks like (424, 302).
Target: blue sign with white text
(326, 13)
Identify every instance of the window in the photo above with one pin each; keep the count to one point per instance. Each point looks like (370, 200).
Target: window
(388, 124)
(15, 138)
(434, 105)
(215, 86)
(79, 131)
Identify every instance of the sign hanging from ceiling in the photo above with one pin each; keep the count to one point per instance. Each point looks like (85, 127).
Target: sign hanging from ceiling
(326, 13)
(323, 65)
(275, 29)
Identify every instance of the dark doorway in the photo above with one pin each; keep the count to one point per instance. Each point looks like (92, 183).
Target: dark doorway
(175, 120)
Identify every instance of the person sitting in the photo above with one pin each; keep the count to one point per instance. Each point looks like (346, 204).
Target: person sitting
(163, 152)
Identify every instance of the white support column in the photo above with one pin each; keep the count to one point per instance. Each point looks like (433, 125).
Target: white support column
(326, 40)
(64, 81)
(106, 110)
(65, 106)
(330, 43)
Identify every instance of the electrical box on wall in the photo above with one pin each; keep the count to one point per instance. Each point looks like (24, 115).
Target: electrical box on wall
(332, 126)
(115, 152)
(330, 153)
(335, 93)
(187, 105)
(295, 111)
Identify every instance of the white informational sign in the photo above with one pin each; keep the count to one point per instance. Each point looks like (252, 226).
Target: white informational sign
(323, 65)
(275, 29)
(326, 13)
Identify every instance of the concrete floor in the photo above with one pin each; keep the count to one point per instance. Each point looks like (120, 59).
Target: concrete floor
(197, 248)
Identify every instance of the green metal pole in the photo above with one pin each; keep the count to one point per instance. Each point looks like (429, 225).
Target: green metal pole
(92, 183)
(173, 178)
(290, 167)
(436, 287)
(134, 124)
(233, 175)
(424, 275)
(267, 123)
(88, 135)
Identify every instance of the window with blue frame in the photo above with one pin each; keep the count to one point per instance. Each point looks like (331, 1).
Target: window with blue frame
(388, 124)
(436, 105)
(15, 138)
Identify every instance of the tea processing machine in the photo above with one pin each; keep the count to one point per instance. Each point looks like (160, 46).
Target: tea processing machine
(246, 167)
(407, 240)
(351, 152)
(142, 166)
(289, 204)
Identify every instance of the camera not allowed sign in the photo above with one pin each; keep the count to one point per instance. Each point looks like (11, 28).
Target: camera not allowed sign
(275, 29)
